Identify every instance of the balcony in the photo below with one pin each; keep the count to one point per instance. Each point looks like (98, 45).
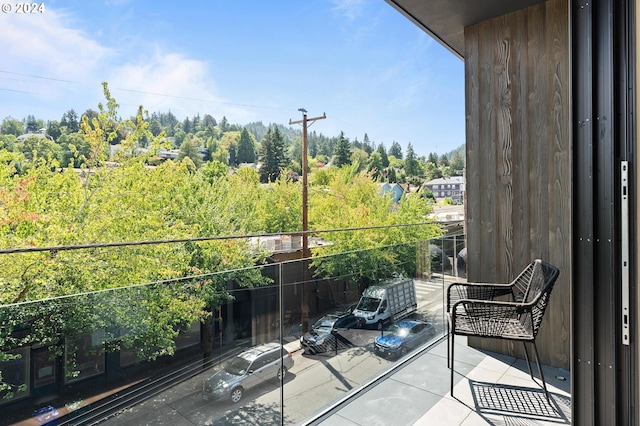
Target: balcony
(112, 365)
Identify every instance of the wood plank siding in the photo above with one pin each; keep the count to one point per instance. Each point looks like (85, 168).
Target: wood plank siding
(518, 204)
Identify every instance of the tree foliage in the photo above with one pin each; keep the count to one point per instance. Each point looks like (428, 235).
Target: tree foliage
(342, 155)
(352, 200)
(273, 157)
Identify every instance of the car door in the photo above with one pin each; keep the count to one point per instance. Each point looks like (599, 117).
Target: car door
(415, 335)
(265, 367)
(254, 373)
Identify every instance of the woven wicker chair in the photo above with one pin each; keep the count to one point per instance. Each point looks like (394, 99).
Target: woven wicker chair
(479, 309)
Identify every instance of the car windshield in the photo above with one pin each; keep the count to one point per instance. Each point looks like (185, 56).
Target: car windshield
(236, 366)
(324, 323)
(396, 330)
(368, 304)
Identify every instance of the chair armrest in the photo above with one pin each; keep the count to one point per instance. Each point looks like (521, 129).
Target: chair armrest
(485, 317)
(476, 291)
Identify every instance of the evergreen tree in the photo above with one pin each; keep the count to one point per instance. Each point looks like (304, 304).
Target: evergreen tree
(374, 166)
(31, 124)
(272, 155)
(367, 145)
(53, 129)
(396, 150)
(433, 158)
(186, 125)
(70, 120)
(411, 162)
(383, 154)
(246, 151)
(391, 175)
(224, 124)
(342, 155)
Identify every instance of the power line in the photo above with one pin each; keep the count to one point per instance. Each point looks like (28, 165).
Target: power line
(143, 92)
(195, 99)
(38, 76)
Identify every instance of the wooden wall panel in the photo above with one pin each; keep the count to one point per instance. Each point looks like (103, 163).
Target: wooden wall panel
(518, 159)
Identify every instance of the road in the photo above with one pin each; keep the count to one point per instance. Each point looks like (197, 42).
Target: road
(313, 382)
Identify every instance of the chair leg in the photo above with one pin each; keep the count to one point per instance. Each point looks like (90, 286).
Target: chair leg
(544, 384)
(451, 366)
(448, 343)
(526, 357)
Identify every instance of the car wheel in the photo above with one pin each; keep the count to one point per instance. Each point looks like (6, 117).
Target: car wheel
(404, 351)
(282, 373)
(380, 324)
(236, 394)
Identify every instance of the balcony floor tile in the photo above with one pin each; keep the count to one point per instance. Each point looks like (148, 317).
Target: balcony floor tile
(489, 389)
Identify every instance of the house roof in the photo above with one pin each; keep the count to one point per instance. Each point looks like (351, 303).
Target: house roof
(445, 20)
(449, 181)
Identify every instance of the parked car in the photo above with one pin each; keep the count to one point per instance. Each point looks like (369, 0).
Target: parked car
(320, 338)
(402, 337)
(246, 370)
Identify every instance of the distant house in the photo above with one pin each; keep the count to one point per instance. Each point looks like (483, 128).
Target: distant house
(397, 189)
(41, 133)
(453, 187)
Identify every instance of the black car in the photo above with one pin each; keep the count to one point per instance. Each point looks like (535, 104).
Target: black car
(320, 338)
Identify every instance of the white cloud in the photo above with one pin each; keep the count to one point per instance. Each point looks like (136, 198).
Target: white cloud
(170, 81)
(352, 9)
(45, 45)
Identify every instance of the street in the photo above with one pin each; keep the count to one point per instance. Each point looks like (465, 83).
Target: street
(313, 382)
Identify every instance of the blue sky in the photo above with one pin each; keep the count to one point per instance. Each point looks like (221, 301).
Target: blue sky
(359, 61)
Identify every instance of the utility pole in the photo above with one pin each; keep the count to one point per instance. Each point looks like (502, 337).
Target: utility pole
(305, 217)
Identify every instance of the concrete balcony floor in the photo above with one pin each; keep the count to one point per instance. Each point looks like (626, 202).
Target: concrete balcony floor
(490, 389)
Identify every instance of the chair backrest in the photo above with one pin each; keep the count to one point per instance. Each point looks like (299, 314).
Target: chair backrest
(543, 277)
(520, 286)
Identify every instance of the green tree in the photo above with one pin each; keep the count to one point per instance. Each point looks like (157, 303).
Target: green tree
(11, 126)
(433, 158)
(35, 147)
(342, 155)
(411, 165)
(396, 150)
(457, 160)
(374, 166)
(391, 175)
(246, 152)
(70, 121)
(75, 150)
(8, 142)
(354, 200)
(273, 158)
(432, 171)
(54, 129)
(359, 158)
(383, 154)
(367, 145)
(189, 149)
(33, 125)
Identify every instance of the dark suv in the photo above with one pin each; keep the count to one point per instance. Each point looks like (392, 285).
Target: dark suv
(246, 370)
(320, 338)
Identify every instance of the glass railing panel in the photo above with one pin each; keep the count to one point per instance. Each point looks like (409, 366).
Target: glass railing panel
(174, 348)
